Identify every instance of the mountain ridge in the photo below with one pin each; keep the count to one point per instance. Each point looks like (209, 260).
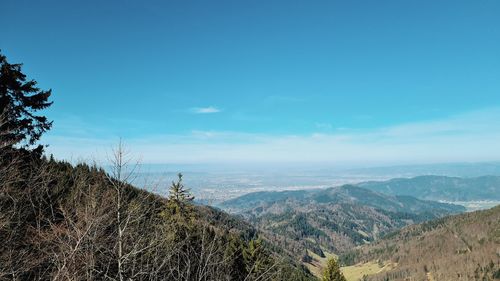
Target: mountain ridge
(344, 193)
(333, 219)
(432, 187)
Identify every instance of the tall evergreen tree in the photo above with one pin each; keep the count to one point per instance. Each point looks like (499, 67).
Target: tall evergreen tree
(20, 99)
(332, 271)
(180, 198)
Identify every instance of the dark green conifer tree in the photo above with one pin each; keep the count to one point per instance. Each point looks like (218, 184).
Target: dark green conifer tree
(180, 199)
(20, 99)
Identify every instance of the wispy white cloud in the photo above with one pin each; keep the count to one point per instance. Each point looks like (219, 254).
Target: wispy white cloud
(323, 126)
(468, 137)
(205, 110)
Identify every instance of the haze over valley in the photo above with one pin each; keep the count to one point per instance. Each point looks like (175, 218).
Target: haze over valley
(215, 186)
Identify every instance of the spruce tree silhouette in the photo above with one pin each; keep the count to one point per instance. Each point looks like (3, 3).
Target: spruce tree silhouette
(20, 99)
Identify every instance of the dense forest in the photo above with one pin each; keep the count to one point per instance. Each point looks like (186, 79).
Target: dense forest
(335, 219)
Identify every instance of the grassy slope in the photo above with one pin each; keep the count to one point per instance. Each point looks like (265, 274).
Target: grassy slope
(351, 273)
(356, 272)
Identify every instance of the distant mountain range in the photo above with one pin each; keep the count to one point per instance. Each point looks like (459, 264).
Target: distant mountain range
(343, 194)
(442, 169)
(440, 188)
(334, 219)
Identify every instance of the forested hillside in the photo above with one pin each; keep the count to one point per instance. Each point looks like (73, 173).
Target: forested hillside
(61, 222)
(334, 220)
(461, 247)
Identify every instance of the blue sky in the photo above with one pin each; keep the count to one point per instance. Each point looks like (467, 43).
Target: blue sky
(378, 82)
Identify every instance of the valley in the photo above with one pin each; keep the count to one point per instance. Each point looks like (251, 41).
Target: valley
(350, 220)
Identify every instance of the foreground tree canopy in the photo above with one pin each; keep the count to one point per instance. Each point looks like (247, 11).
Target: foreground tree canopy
(20, 99)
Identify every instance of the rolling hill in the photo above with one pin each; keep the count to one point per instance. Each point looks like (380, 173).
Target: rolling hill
(334, 219)
(342, 194)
